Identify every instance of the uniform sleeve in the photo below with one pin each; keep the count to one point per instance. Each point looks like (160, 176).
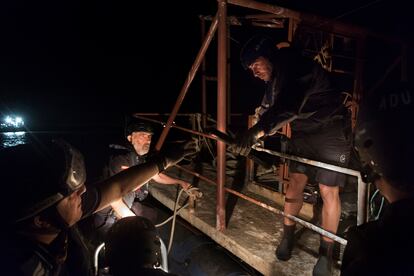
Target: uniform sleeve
(117, 164)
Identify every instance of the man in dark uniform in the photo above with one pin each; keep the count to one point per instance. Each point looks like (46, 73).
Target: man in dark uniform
(384, 140)
(139, 135)
(39, 229)
(300, 92)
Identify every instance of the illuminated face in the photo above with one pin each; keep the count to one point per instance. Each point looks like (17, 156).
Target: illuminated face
(70, 208)
(262, 68)
(141, 141)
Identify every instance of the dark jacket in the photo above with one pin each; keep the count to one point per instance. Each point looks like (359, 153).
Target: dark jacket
(300, 90)
(120, 158)
(384, 246)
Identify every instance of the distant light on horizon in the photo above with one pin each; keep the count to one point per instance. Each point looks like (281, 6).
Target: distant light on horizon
(12, 122)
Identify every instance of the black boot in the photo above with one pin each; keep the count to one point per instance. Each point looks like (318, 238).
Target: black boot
(324, 265)
(284, 250)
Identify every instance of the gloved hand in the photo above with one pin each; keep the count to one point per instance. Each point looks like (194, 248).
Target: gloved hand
(177, 153)
(244, 143)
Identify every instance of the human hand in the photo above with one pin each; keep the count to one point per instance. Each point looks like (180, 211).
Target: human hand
(258, 111)
(185, 185)
(244, 143)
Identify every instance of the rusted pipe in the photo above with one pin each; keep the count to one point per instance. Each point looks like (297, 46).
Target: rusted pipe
(221, 113)
(190, 77)
(362, 187)
(270, 208)
(331, 25)
(180, 128)
(203, 76)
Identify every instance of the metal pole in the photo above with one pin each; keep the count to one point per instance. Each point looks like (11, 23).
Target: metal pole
(221, 113)
(180, 128)
(187, 82)
(362, 202)
(362, 187)
(96, 258)
(310, 162)
(164, 256)
(272, 209)
(203, 77)
(319, 22)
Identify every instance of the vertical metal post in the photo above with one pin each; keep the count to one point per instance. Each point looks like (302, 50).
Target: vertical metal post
(221, 112)
(203, 78)
(362, 202)
(190, 77)
(283, 172)
(359, 66)
(250, 171)
(291, 29)
(228, 75)
(358, 86)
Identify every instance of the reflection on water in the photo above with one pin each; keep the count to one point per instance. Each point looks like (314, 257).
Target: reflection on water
(9, 139)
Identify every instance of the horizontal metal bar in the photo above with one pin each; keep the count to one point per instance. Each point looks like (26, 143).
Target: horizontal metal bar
(362, 187)
(272, 209)
(310, 162)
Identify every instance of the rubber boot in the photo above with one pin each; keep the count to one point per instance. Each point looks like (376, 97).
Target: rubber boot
(324, 265)
(284, 250)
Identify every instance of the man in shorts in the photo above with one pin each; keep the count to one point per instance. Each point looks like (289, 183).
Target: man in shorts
(300, 92)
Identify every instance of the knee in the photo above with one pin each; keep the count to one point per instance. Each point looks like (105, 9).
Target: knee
(297, 183)
(298, 179)
(329, 194)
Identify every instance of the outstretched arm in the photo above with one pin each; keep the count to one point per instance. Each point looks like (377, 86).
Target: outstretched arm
(126, 181)
(115, 187)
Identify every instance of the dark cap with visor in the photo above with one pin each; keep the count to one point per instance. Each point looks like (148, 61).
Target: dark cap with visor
(138, 126)
(257, 46)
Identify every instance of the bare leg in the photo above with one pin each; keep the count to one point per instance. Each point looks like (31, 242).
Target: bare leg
(331, 209)
(293, 204)
(294, 196)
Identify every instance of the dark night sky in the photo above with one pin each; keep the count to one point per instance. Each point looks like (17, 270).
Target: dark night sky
(63, 60)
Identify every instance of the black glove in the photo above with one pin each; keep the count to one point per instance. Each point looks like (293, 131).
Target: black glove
(244, 143)
(173, 155)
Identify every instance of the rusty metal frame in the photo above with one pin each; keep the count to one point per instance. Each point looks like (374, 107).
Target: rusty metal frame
(361, 218)
(220, 22)
(362, 187)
